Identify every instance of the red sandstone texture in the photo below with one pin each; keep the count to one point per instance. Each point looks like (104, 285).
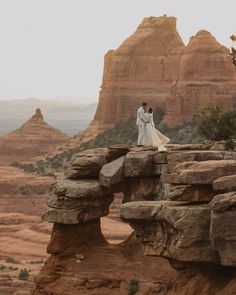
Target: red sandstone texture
(23, 192)
(83, 262)
(33, 140)
(154, 65)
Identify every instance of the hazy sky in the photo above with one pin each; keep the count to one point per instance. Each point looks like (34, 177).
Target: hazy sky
(55, 48)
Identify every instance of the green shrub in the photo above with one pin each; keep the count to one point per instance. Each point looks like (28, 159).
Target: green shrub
(23, 275)
(5, 268)
(230, 144)
(214, 123)
(133, 287)
(12, 260)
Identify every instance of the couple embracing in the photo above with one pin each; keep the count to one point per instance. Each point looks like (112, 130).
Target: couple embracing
(148, 135)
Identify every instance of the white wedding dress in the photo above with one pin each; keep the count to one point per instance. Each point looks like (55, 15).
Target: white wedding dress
(153, 137)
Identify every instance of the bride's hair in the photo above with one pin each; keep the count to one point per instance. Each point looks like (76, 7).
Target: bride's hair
(150, 110)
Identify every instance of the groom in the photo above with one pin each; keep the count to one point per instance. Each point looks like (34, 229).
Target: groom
(141, 121)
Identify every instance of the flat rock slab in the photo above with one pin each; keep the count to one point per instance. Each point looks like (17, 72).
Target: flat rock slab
(224, 202)
(175, 230)
(72, 202)
(112, 173)
(87, 164)
(145, 210)
(186, 147)
(225, 183)
(177, 158)
(74, 216)
(194, 193)
(138, 164)
(69, 194)
(200, 172)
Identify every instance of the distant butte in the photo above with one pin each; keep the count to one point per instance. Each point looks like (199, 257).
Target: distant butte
(154, 65)
(33, 140)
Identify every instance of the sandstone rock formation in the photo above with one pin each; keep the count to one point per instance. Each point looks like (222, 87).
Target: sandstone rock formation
(33, 140)
(82, 261)
(180, 217)
(206, 74)
(196, 225)
(142, 68)
(154, 65)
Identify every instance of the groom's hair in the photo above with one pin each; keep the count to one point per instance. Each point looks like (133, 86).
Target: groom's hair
(144, 104)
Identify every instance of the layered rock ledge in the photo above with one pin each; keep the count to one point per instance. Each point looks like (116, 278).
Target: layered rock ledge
(182, 216)
(197, 221)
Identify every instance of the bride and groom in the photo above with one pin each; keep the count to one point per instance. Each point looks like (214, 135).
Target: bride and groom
(148, 135)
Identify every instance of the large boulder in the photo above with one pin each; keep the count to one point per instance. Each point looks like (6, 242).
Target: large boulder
(225, 183)
(176, 158)
(139, 164)
(195, 193)
(175, 230)
(223, 229)
(72, 202)
(87, 164)
(200, 172)
(112, 173)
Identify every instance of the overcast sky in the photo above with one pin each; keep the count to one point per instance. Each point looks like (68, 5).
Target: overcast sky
(55, 48)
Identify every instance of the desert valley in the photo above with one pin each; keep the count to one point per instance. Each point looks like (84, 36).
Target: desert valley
(80, 217)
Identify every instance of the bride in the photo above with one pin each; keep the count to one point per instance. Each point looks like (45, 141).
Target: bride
(153, 137)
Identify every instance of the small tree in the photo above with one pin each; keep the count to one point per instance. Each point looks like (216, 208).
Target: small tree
(23, 275)
(158, 115)
(233, 50)
(214, 123)
(133, 287)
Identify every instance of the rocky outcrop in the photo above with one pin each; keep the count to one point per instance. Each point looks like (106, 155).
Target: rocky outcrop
(178, 215)
(196, 225)
(81, 260)
(154, 65)
(142, 68)
(32, 141)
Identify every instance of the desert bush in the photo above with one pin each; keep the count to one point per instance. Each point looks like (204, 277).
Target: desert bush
(233, 50)
(41, 261)
(12, 260)
(133, 287)
(5, 268)
(230, 144)
(214, 123)
(23, 275)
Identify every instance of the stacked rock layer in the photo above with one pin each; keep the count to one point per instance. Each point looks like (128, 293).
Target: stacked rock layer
(181, 204)
(196, 221)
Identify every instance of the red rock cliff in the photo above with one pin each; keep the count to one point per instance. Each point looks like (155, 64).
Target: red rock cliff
(142, 68)
(154, 65)
(206, 75)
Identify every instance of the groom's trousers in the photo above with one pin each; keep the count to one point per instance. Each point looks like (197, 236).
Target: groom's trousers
(141, 132)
